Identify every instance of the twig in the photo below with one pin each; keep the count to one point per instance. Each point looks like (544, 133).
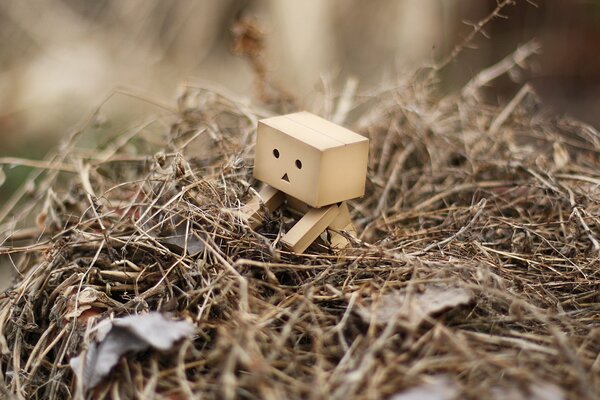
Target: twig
(509, 109)
(477, 28)
(479, 207)
(587, 229)
(37, 164)
(345, 101)
(518, 57)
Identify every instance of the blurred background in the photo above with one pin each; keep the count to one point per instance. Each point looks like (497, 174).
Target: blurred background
(60, 58)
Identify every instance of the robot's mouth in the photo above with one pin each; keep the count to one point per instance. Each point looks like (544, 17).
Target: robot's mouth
(285, 178)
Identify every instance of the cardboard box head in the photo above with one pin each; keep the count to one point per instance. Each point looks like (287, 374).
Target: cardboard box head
(311, 159)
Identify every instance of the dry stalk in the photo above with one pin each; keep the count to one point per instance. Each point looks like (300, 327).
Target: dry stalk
(497, 215)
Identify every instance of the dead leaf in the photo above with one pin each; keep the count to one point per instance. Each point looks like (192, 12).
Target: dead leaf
(2, 177)
(546, 391)
(87, 303)
(179, 239)
(128, 334)
(176, 233)
(440, 388)
(534, 391)
(416, 307)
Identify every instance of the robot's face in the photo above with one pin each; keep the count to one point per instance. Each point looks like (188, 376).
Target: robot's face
(287, 164)
(311, 159)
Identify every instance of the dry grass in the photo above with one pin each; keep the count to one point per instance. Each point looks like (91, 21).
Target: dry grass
(501, 201)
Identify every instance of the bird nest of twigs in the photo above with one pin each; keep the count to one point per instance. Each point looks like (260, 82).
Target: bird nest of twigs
(475, 271)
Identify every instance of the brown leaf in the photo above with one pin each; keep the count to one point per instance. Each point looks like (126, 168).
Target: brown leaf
(534, 391)
(413, 308)
(440, 388)
(86, 303)
(190, 242)
(134, 333)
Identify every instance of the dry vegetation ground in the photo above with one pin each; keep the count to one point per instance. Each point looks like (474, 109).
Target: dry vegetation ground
(498, 205)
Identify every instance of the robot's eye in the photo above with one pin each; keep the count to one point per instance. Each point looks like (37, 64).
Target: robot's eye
(299, 164)
(276, 153)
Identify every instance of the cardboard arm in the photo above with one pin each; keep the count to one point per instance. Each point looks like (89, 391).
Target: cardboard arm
(270, 197)
(341, 223)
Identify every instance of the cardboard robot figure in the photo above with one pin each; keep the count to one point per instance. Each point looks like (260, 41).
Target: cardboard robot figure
(313, 166)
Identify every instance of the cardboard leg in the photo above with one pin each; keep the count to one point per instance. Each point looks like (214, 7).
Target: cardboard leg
(314, 222)
(341, 223)
(339, 241)
(272, 200)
